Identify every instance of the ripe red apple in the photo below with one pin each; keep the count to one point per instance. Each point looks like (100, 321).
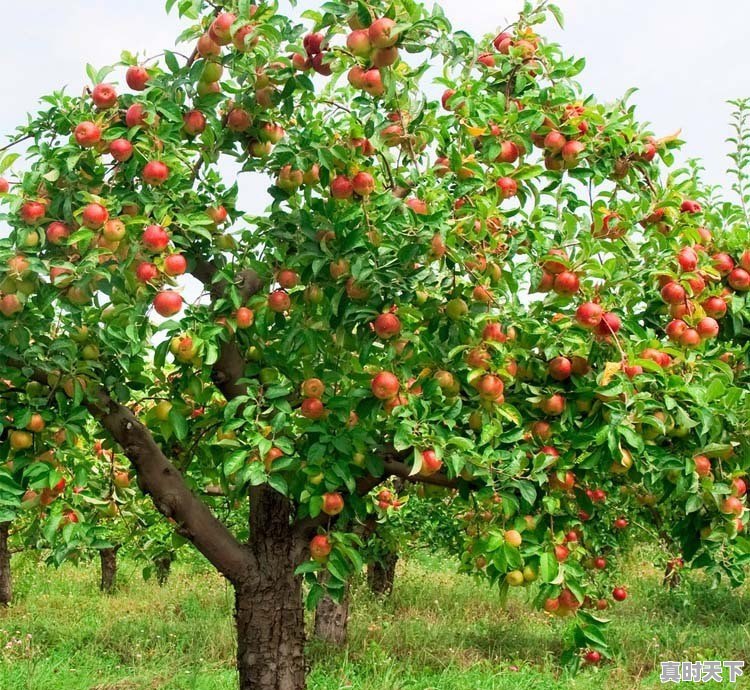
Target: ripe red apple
(592, 657)
(155, 173)
(620, 523)
(104, 96)
(673, 293)
(244, 317)
(168, 303)
(445, 99)
(341, 187)
(94, 216)
(739, 487)
(430, 462)
(245, 38)
(723, 263)
(714, 307)
(4, 186)
(489, 386)
(287, 278)
(554, 141)
(502, 42)
(279, 301)
(194, 122)
(207, 47)
(10, 304)
(707, 327)
(385, 57)
(566, 283)
(363, 184)
(87, 134)
(632, 370)
(690, 206)
(571, 152)
(560, 368)
(387, 326)
(32, 212)
(358, 42)
(688, 259)
(313, 43)
(372, 82)
(609, 324)
(146, 272)
(561, 553)
(137, 77)
(739, 279)
(732, 506)
(320, 548)
(57, 232)
(175, 265)
(600, 563)
(121, 150)
(675, 329)
(702, 465)
(554, 405)
(155, 238)
(384, 385)
(221, 28)
(382, 33)
(333, 503)
(312, 408)
(135, 115)
(589, 315)
(509, 152)
(239, 120)
(690, 338)
(508, 187)
(619, 594)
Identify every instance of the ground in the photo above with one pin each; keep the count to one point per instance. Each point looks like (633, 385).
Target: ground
(439, 631)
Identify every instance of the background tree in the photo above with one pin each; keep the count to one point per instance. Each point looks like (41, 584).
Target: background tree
(427, 297)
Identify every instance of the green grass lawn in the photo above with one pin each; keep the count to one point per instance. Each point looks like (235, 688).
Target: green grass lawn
(439, 631)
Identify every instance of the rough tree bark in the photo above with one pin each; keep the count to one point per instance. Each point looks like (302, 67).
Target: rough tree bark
(381, 574)
(108, 558)
(332, 619)
(269, 610)
(6, 580)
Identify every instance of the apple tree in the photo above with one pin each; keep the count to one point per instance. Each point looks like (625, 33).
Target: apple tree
(469, 275)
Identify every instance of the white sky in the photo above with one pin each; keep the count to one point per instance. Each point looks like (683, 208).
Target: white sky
(686, 57)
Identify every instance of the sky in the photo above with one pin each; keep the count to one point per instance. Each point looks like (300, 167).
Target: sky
(687, 58)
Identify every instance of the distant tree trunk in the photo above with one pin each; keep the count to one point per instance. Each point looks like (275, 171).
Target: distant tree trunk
(162, 566)
(108, 559)
(332, 619)
(6, 579)
(382, 573)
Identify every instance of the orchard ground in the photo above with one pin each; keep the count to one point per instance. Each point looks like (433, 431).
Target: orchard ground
(439, 631)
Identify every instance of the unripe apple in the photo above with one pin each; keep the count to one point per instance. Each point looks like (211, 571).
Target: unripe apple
(104, 96)
(313, 388)
(137, 77)
(114, 230)
(168, 303)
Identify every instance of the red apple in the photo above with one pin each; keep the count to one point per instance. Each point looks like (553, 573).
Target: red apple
(167, 303)
(137, 77)
(384, 385)
(155, 173)
(104, 96)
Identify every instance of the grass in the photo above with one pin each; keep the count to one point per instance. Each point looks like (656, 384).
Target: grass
(438, 631)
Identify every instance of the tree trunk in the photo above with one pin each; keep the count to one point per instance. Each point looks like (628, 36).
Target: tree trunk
(269, 612)
(382, 573)
(162, 567)
(108, 559)
(6, 579)
(332, 619)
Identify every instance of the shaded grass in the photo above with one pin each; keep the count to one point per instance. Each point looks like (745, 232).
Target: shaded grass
(438, 631)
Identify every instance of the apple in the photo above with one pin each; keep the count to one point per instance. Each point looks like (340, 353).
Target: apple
(363, 184)
(702, 465)
(673, 293)
(341, 187)
(168, 303)
(385, 57)
(87, 134)
(690, 338)
(220, 30)
(714, 307)
(554, 405)
(739, 487)
(589, 315)
(57, 232)
(707, 327)
(609, 324)
(104, 96)
(333, 503)
(690, 206)
(313, 388)
(385, 385)
(33, 211)
(507, 186)
(137, 77)
(502, 42)
(566, 283)
(382, 33)
(244, 317)
(245, 38)
(620, 523)
(513, 538)
(561, 553)
(387, 326)
(554, 141)
(571, 152)
(4, 186)
(194, 122)
(135, 116)
(739, 279)
(592, 657)
(688, 259)
(619, 594)
(155, 238)
(217, 214)
(338, 269)
(489, 386)
(430, 462)
(358, 42)
(175, 265)
(207, 47)
(155, 173)
(279, 301)
(121, 479)
(560, 368)
(732, 506)
(675, 328)
(313, 43)
(287, 278)
(146, 272)
(239, 120)
(600, 563)
(94, 216)
(121, 150)
(312, 408)
(20, 440)
(320, 548)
